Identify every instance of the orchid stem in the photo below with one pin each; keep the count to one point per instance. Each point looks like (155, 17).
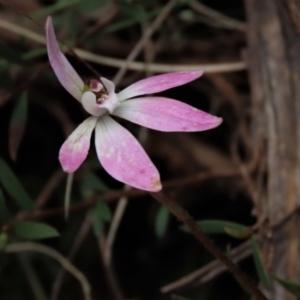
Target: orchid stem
(183, 216)
(68, 194)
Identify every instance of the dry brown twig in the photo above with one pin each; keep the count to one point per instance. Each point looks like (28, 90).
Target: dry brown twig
(209, 271)
(119, 63)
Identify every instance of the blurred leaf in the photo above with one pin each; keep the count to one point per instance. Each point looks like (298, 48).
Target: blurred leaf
(34, 230)
(100, 214)
(13, 187)
(260, 268)
(3, 240)
(91, 183)
(6, 80)
(51, 9)
(218, 226)
(4, 215)
(162, 221)
(98, 223)
(176, 297)
(17, 125)
(86, 5)
(129, 22)
(9, 54)
(103, 210)
(34, 53)
(292, 287)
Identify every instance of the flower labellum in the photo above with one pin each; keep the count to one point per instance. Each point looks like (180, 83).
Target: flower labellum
(120, 154)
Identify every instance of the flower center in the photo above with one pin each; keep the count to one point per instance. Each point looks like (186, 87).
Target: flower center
(98, 89)
(99, 97)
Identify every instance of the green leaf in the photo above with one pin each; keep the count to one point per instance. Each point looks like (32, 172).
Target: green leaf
(3, 240)
(9, 54)
(87, 5)
(51, 9)
(91, 183)
(260, 268)
(218, 226)
(292, 287)
(103, 210)
(6, 80)
(34, 53)
(34, 230)
(176, 297)
(13, 187)
(130, 22)
(17, 125)
(4, 215)
(162, 221)
(100, 214)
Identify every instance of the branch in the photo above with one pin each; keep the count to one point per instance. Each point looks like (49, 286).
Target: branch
(29, 246)
(120, 63)
(188, 221)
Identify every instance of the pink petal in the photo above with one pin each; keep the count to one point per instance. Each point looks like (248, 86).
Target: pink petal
(158, 83)
(62, 68)
(75, 149)
(123, 157)
(166, 115)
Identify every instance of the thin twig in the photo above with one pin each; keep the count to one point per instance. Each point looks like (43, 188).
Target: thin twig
(113, 228)
(32, 277)
(68, 192)
(209, 271)
(188, 221)
(140, 44)
(115, 287)
(81, 235)
(48, 189)
(217, 16)
(134, 66)
(101, 23)
(113, 196)
(29, 246)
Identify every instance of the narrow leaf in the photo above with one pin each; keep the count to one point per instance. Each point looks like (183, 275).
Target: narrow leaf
(13, 187)
(51, 9)
(92, 183)
(8, 53)
(218, 226)
(103, 210)
(176, 297)
(100, 214)
(162, 221)
(98, 223)
(6, 80)
(260, 268)
(17, 125)
(4, 215)
(34, 230)
(292, 287)
(3, 240)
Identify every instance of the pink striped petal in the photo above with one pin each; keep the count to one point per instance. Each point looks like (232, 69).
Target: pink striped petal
(158, 83)
(123, 157)
(75, 149)
(166, 115)
(65, 73)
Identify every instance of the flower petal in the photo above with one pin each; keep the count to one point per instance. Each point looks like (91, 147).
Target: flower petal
(158, 83)
(75, 149)
(123, 157)
(62, 68)
(166, 114)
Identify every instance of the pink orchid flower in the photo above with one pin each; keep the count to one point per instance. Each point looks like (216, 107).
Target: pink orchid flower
(118, 151)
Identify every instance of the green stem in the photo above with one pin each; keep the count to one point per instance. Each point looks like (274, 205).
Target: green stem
(189, 222)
